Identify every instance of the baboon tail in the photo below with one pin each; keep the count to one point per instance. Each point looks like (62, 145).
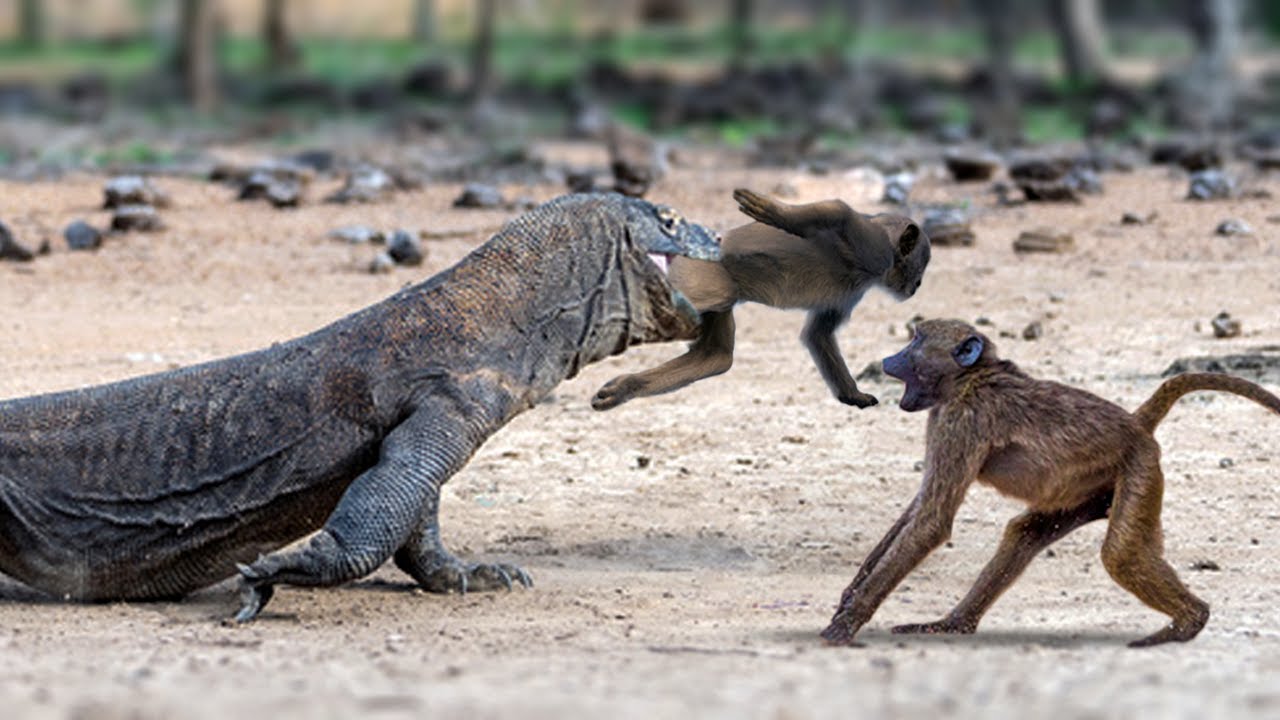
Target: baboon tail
(1153, 410)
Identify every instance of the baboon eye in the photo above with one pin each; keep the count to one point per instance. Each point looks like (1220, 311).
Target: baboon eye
(968, 352)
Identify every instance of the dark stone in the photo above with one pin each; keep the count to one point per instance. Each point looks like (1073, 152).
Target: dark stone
(1211, 185)
(11, 249)
(948, 227)
(1233, 226)
(1032, 331)
(80, 235)
(1225, 326)
(136, 217)
(897, 188)
(132, 190)
(405, 248)
(1259, 367)
(479, 195)
(364, 185)
(1043, 240)
(966, 167)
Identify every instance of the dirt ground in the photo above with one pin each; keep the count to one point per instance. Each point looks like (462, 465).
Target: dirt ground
(686, 549)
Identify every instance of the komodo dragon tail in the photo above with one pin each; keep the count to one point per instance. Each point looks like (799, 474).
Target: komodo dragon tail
(1154, 409)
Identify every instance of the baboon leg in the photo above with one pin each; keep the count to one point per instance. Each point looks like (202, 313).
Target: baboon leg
(820, 337)
(1024, 537)
(1133, 555)
(803, 220)
(711, 354)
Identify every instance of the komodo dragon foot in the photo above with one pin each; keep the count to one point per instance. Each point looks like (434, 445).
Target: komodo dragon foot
(441, 572)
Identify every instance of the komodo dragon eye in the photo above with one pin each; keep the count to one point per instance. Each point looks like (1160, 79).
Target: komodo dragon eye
(670, 219)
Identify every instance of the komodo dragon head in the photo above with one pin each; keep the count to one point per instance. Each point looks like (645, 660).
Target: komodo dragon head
(655, 234)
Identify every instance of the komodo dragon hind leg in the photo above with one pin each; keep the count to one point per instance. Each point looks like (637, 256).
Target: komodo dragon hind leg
(381, 511)
(424, 558)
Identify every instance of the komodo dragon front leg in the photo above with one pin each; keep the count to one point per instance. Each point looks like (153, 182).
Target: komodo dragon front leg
(389, 509)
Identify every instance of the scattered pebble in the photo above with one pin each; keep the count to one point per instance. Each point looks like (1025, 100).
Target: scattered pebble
(479, 195)
(357, 234)
(897, 188)
(1226, 463)
(80, 235)
(970, 166)
(1211, 185)
(1044, 240)
(381, 264)
(136, 217)
(1133, 218)
(405, 248)
(1233, 226)
(643, 461)
(1225, 326)
(11, 249)
(132, 190)
(948, 227)
(1032, 331)
(1205, 565)
(366, 184)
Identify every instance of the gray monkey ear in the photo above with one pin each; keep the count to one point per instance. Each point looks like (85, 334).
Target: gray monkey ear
(968, 352)
(908, 239)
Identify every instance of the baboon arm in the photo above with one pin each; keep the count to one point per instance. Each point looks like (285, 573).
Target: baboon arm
(820, 338)
(711, 354)
(923, 527)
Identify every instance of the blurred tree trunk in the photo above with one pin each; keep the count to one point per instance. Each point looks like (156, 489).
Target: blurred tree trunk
(1003, 114)
(424, 21)
(1210, 87)
(31, 23)
(198, 52)
(282, 52)
(740, 36)
(482, 52)
(1081, 40)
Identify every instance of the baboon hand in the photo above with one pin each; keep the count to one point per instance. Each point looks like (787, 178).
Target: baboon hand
(858, 399)
(755, 206)
(617, 391)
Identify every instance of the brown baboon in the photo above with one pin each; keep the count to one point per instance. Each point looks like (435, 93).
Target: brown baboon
(1070, 455)
(821, 256)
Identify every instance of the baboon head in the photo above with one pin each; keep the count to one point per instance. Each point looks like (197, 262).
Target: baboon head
(911, 254)
(934, 364)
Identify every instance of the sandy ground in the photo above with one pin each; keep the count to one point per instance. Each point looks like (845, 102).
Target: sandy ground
(686, 549)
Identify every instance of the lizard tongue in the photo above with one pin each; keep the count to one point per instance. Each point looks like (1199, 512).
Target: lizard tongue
(660, 259)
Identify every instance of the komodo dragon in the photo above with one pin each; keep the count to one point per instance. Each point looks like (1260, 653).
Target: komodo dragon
(153, 487)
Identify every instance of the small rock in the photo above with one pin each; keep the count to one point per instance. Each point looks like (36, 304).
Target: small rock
(970, 166)
(1233, 226)
(357, 234)
(1197, 159)
(11, 249)
(643, 461)
(1225, 326)
(80, 235)
(284, 193)
(1133, 218)
(136, 217)
(1211, 185)
(983, 321)
(579, 181)
(637, 160)
(897, 188)
(1226, 463)
(1044, 240)
(948, 227)
(366, 184)
(1032, 331)
(1205, 565)
(381, 264)
(405, 248)
(132, 190)
(479, 195)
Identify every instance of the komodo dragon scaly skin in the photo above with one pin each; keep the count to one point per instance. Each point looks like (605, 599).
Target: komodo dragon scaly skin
(156, 486)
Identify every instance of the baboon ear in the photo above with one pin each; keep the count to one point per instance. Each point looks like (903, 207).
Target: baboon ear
(968, 352)
(908, 239)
